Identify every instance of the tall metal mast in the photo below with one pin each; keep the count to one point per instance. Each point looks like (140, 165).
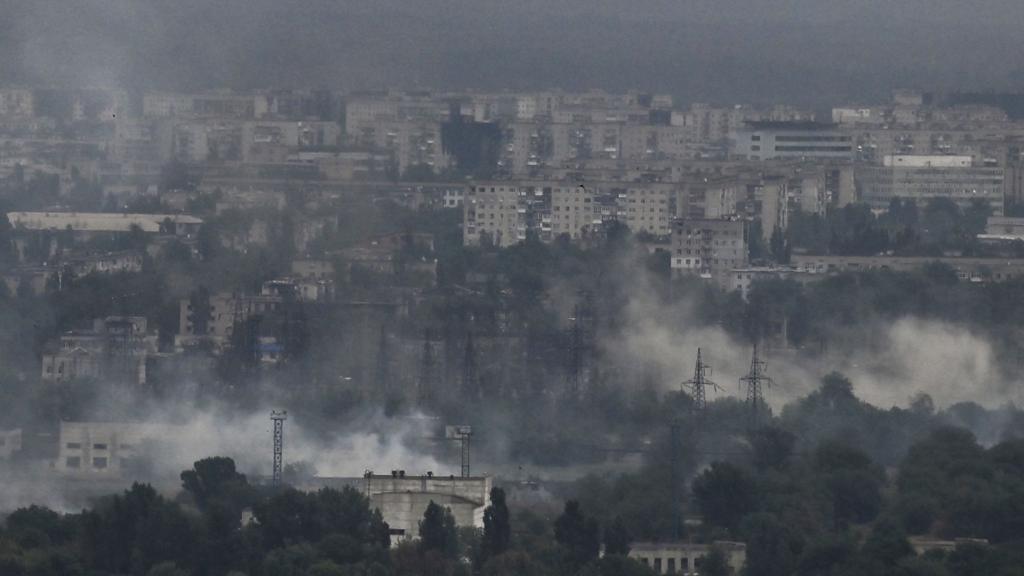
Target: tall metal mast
(278, 417)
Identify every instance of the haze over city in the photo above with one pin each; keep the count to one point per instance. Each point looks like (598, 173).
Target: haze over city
(516, 288)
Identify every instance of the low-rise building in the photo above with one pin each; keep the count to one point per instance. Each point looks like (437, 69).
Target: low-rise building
(105, 222)
(104, 450)
(969, 269)
(742, 279)
(684, 558)
(10, 443)
(1003, 229)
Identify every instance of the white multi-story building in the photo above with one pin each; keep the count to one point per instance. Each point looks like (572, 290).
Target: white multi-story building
(104, 450)
(770, 139)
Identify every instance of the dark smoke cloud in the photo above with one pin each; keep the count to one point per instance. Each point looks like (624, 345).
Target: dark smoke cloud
(803, 51)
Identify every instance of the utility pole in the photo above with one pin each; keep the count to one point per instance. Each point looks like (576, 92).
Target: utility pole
(575, 354)
(470, 375)
(383, 372)
(425, 394)
(697, 387)
(677, 505)
(278, 418)
(756, 381)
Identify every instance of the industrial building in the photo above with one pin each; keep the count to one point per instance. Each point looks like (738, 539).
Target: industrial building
(402, 499)
(103, 450)
(683, 558)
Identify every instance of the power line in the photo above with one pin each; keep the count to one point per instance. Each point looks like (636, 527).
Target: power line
(756, 381)
(698, 385)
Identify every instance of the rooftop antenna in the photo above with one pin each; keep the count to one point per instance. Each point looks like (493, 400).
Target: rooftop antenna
(278, 417)
(698, 387)
(756, 381)
(462, 434)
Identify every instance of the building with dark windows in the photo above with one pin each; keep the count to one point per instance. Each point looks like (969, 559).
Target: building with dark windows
(800, 139)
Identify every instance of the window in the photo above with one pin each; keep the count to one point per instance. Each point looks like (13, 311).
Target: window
(99, 446)
(73, 462)
(671, 565)
(657, 565)
(99, 463)
(73, 446)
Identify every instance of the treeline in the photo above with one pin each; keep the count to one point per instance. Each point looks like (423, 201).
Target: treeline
(833, 486)
(220, 524)
(904, 229)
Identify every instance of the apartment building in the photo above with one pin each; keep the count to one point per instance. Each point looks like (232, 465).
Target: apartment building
(923, 178)
(494, 213)
(709, 248)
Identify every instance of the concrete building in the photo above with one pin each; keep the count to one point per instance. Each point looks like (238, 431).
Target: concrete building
(313, 269)
(709, 248)
(217, 324)
(504, 212)
(923, 178)
(101, 222)
(403, 499)
(647, 208)
(684, 558)
(115, 348)
(770, 140)
(968, 269)
(104, 450)
(494, 213)
(17, 102)
(1003, 229)
(10, 443)
(742, 279)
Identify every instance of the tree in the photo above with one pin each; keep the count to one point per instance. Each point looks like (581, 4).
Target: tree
(771, 447)
(167, 569)
(852, 479)
(714, 563)
(578, 535)
(617, 538)
(219, 491)
(772, 547)
(437, 531)
(887, 543)
(514, 563)
(497, 531)
(724, 494)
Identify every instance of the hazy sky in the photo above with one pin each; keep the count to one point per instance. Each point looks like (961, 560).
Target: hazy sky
(804, 51)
